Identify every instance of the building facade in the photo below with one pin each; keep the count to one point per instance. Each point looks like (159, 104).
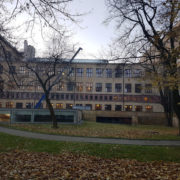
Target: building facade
(96, 86)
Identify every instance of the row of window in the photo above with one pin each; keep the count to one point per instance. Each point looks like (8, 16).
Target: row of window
(80, 72)
(108, 87)
(107, 107)
(81, 97)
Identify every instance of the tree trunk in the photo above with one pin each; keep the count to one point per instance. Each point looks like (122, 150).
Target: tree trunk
(51, 110)
(176, 105)
(166, 101)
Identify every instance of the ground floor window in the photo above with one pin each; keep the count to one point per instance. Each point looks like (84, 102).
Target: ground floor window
(149, 108)
(69, 106)
(28, 105)
(118, 108)
(138, 108)
(98, 107)
(89, 106)
(108, 107)
(128, 108)
(9, 104)
(59, 106)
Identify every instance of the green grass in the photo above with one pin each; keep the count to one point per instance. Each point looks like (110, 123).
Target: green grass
(141, 153)
(93, 129)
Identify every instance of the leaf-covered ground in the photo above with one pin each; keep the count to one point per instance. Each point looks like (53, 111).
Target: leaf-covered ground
(30, 165)
(93, 129)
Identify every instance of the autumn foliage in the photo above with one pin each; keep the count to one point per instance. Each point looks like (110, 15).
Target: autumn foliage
(28, 165)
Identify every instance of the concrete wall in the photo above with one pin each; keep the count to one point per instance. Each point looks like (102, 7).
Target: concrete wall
(147, 118)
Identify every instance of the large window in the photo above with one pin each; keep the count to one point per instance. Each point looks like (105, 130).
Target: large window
(138, 108)
(98, 87)
(89, 86)
(138, 88)
(108, 87)
(127, 88)
(60, 86)
(98, 107)
(127, 73)
(118, 73)
(19, 105)
(79, 86)
(128, 108)
(71, 71)
(9, 104)
(69, 106)
(59, 106)
(148, 88)
(107, 107)
(118, 108)
(79, 72)
(118, 87)
(89, 72)
(149, 108)
(70, 86)
(137, 73)
(99, 72)
(109, 73)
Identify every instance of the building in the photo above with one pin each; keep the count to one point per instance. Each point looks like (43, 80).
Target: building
(106, 92)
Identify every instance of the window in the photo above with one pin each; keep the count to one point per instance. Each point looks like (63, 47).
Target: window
(109, 73)
(118, 87)
(12, 69)
(107, 107)
(69, 106)
(128, 108)
(60, 86)
(79, 72)
(98, 87)
(22, 70)
(70, 86)
(89, 87)
(127, 73)
(118, 73)
(118, 108)
(99, 72)
(138, 108)
(89, 72)
(108, 87)
(9, 104)
(71, 71)
(127, 88)
(137, 73)
(59, 106)
(1, 69)
(149, 108)
(19, 105)
(79, 86)
(28, 105)
(98, 107)
(88, 106)
(148, 88)
(138, 88)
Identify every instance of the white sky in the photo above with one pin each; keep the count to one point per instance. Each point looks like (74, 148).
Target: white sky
(92, 35)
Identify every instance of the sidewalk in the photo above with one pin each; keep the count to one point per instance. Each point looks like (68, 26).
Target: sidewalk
(89, 139)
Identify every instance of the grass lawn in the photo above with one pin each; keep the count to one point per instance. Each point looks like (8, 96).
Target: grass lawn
(93, 129)
(140, 153)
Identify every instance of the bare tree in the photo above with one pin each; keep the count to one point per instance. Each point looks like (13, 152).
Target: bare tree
(50, 72)
(154, 24)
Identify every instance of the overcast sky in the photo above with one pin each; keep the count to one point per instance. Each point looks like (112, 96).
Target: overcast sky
(92, 35)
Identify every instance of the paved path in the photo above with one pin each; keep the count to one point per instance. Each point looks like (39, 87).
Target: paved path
(88, 139)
